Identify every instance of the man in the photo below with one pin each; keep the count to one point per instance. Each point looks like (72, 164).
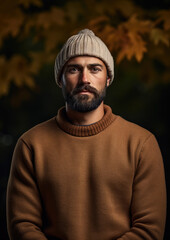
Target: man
(86, 174)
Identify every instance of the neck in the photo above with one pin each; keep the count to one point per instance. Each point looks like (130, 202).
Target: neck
(85, 118)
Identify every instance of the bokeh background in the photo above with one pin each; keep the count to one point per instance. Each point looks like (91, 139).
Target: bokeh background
(31, 34)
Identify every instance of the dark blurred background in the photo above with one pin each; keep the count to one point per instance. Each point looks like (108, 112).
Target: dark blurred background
(31, 34)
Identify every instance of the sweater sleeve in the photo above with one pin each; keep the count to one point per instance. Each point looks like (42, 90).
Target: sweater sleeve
(148, 206)
(24, 210)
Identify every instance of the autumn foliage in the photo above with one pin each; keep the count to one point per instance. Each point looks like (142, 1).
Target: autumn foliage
(32, 32)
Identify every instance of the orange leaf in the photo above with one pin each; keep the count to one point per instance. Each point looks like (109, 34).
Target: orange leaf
(129, 44)
(139, 26)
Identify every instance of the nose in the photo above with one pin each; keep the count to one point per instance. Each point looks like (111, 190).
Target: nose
(84, 77)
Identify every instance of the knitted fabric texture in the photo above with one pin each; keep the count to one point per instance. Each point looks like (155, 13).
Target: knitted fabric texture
(84, 43)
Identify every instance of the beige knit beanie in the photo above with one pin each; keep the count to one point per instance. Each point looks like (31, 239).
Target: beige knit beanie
(84, 43)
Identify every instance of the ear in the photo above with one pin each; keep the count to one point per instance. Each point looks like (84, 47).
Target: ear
(108, 81)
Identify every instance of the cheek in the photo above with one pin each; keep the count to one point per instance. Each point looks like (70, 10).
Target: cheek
(69, 83)
(102, 82)
(101, 79)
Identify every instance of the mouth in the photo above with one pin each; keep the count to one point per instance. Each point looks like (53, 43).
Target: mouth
(84, 90)
(85, 93)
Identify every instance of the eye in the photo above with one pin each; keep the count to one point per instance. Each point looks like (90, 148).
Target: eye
(72, 70)
(95, 69)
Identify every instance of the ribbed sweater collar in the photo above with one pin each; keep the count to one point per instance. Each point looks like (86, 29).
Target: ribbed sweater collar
(85, 131)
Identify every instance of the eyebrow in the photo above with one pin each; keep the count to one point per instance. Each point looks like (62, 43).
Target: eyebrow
(95, 65)
(73, 65)
(89, 65)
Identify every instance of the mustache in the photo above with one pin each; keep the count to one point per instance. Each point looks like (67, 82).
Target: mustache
(86, 88)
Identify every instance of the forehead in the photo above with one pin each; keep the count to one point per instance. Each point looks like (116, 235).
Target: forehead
(85, 60)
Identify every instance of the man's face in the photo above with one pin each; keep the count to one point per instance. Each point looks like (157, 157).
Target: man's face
(84, 82)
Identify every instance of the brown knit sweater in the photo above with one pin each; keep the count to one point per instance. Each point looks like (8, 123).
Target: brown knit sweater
(104, 181)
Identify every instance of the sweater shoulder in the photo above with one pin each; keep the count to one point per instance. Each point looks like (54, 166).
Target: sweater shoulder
(130, 128)
(40, 130)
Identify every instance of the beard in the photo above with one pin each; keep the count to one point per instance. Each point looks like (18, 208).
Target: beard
(84, 102)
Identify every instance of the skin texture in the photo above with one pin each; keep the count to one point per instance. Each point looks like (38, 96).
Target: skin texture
(90, 75)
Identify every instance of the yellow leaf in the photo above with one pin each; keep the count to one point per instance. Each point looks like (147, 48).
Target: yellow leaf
(157, 35)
